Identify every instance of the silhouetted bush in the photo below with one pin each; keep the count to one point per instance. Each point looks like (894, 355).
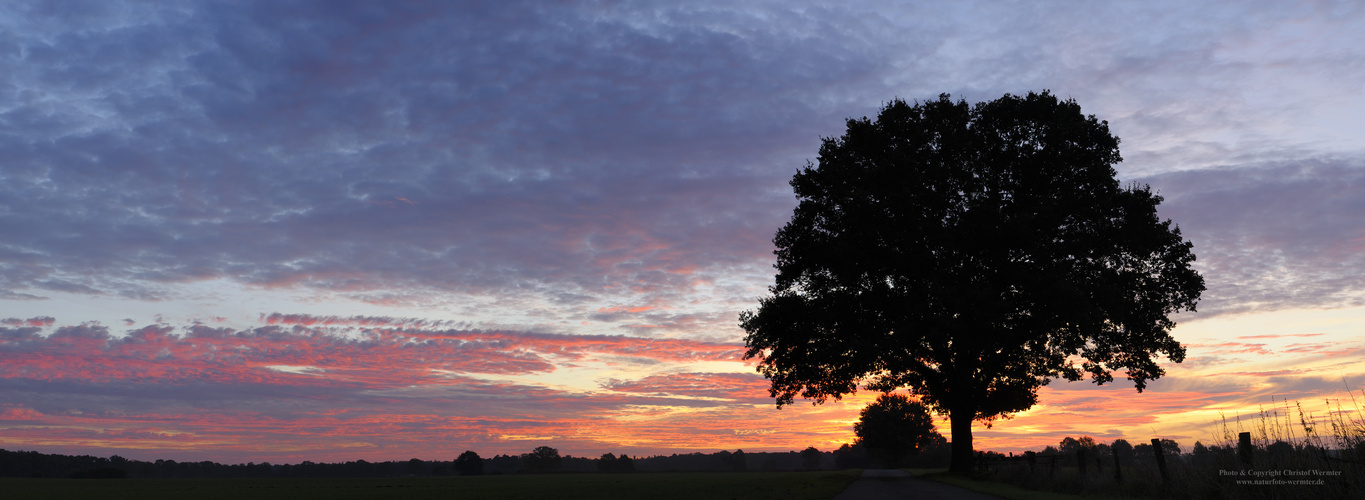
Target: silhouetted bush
(542, 459)
(468, 464)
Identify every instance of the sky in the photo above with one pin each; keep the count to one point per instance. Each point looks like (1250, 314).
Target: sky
(284, 231)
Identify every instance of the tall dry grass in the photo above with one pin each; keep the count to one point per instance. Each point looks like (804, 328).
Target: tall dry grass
(1296, 454)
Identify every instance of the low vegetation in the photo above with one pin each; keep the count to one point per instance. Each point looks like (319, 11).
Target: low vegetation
(1285, 452)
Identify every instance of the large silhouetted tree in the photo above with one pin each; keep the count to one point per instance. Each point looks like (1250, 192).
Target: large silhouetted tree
(970, 253)
(893, 426)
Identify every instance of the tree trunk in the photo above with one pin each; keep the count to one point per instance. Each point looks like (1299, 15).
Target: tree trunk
(962, 459)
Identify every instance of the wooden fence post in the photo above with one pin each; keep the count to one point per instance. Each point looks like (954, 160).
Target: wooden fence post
(1244, 448)
(1118, 469)
(1160, 461)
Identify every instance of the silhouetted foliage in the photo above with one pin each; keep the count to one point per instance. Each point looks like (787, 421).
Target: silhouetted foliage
(503, 464)
(469, 464)
(606, 463)
(893, 426)
(1123, 450)
(738, 462)
(966, 253)
(611, 463)
(1071, 447)
(625, 464)
(1143, 450)
(1169, 447)
(851, 457)
(810, 458)
(542, 459)
(417, 467)
(34, 464)
(1277, 450)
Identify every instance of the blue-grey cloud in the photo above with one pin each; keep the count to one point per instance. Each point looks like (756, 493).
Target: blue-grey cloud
(359, 147)
(590, 154)
(1284, 235)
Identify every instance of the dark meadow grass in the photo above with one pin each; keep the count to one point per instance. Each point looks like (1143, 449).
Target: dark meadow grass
(815, 485)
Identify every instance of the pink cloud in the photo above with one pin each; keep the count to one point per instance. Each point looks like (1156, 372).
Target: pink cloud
(1232, 348)
(299, 355)
(735, 386)
(1280, 336)
(39, 321)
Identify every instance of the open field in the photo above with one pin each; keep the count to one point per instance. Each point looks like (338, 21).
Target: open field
(821, 485)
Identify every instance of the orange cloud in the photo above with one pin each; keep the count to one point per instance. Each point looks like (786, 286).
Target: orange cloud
(322, 387)
(732, 386)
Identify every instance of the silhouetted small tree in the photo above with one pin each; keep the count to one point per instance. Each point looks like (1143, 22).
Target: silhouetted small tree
(416, 467)
(1143, 450)
(1073, 448)
(1103, 450)
(893, 426)
(469, 464)
(542, 459)
(612, 463)
(810, 458)
(737, 461)
(1123, 450)
(1170, 448)
(504, 464)
(606, 463)
(851, 457)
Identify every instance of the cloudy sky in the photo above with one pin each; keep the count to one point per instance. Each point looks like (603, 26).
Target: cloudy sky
(286, 231)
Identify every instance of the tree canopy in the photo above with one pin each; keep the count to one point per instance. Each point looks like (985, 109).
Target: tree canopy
(893, 426)
(810, 458)
(970, 253)
(469, 463)
(611, 463)
(542, 459)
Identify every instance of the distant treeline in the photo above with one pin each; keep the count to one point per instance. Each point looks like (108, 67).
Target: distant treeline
(35, 464)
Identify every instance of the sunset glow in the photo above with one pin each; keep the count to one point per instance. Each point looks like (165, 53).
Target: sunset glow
(264, 231)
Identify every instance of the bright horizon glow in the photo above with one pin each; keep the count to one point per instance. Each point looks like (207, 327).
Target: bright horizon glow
(512, 392)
